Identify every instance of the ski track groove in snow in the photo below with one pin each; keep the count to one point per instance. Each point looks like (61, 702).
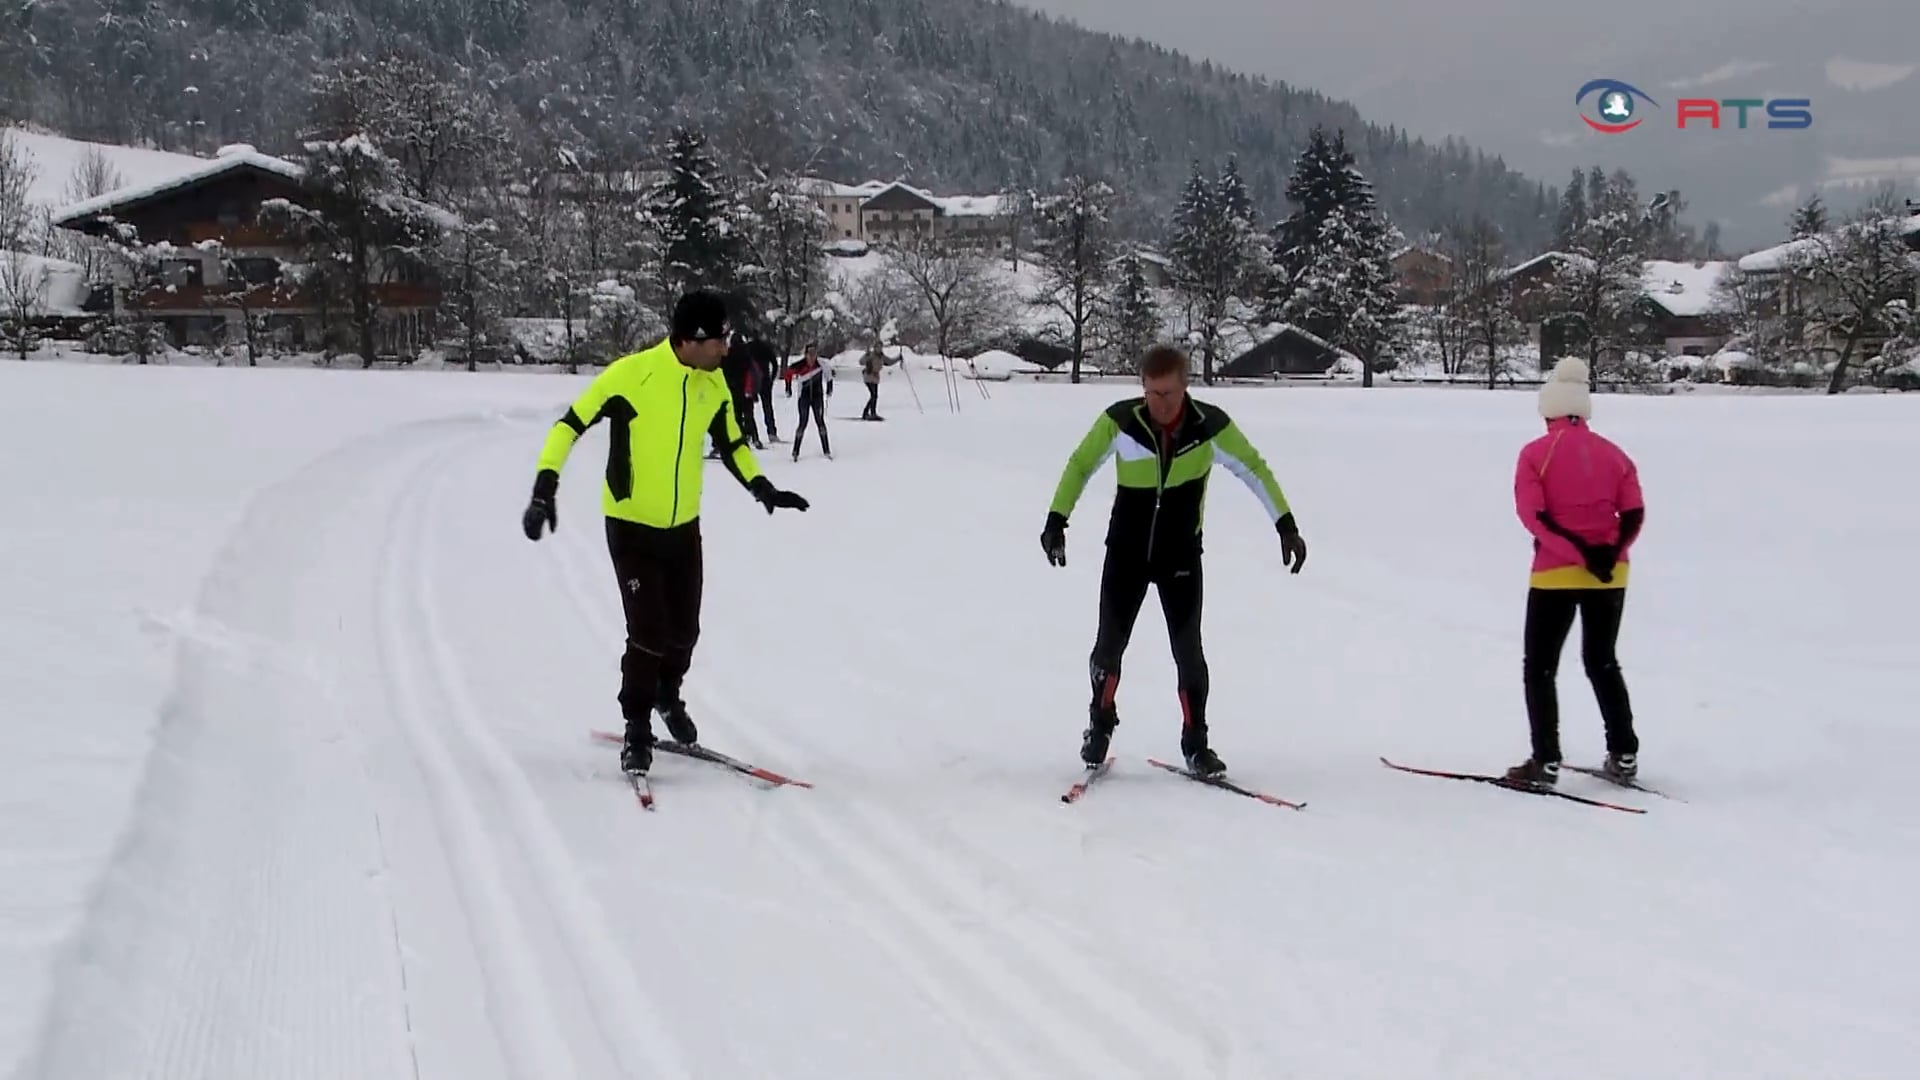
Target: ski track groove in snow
(517, 996)
(243, 928)
(1016, 963)
(625, 1015)
(925, 950)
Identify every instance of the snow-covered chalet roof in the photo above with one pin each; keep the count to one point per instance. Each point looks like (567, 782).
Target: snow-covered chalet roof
(229, 159)
(1544, 257)
(951, 205)
(1775, 258)
(1682, 288)
(821, 188)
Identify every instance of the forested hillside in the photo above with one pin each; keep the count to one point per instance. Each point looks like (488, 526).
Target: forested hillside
(951, 94)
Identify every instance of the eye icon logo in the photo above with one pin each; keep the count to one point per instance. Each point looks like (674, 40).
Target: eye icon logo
(1615, 104)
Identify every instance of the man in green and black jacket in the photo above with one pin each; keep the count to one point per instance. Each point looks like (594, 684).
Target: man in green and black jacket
(663, 405)
(1167, 444)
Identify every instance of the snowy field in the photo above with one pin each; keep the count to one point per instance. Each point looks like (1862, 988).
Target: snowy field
(299, 783)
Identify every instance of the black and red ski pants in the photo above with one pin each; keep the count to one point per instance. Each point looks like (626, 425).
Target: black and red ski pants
(1124, 580)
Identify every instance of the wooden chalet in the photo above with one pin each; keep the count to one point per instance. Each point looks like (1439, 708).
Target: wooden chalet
(1292, 351)
(1680, 309)
(220, 264)
(1424, 276)
(1529, 287)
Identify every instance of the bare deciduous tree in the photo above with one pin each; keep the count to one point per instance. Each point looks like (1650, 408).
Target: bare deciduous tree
(1075, 236)
(1484, 308)
(1853, 274)
(955, 286)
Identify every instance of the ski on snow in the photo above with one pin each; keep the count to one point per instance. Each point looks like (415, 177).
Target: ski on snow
(643, 789)
(1630, 785)
(1501, 781)
(1225, 784)
(1092, 773)
(1095, 772)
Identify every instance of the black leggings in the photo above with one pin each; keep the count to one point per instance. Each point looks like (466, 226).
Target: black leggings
(1550, 615)
(1123, 588)
(660, 577)
(811, 404)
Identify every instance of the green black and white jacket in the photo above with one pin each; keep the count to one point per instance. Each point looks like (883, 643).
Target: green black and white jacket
(1159, 507)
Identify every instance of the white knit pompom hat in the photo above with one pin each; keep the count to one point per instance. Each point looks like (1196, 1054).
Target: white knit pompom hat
(1565, 391)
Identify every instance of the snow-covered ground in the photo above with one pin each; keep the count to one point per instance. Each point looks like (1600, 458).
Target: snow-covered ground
(299, 783)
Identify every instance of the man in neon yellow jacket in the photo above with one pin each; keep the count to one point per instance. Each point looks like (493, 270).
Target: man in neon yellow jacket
(1167, 444)
(661, 404)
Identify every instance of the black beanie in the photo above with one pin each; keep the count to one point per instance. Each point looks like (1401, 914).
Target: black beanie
(700, 315)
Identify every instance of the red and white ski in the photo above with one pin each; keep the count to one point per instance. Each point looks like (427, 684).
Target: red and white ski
(701, 753)
(1092, 773)
(1225, 784)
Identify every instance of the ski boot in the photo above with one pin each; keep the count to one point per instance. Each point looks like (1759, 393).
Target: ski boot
(1202, 761)
(636, 753)
(1098, 737)
(1534, 774)
(680, 726)
(1621, 768)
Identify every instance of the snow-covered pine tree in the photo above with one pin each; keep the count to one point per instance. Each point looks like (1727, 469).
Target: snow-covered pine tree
(1074, 238)
(697, 218)
(1597, 287)
(1215, 253)
(1809, 218)
(1130, 313)
(1573, 213)
(1332, 257)
(788, 245)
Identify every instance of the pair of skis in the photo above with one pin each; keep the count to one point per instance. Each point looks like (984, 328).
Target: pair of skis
(1095, 772)
(643, 786)
(1531, 789)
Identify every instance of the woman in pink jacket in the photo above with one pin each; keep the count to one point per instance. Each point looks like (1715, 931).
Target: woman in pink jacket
(1579, 495)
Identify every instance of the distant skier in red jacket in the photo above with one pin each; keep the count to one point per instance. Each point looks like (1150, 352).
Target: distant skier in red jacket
(1579, 495)
(816, 385)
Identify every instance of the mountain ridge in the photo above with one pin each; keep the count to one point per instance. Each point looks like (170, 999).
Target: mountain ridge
(951, 94)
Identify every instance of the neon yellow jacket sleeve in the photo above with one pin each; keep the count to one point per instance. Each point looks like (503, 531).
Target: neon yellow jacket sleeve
(1086, 459)
(583, 414)
(1232, 449)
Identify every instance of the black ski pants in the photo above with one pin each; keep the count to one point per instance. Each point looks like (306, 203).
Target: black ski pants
(661, 575)
(872, 411)
(812, 403)
(1550, 615)
(1124, 580)
(766, 406)
(743, 412)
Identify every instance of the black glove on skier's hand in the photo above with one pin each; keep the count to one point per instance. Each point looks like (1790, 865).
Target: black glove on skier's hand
(772, 497)
(540, 507)
(1600, 560)
(1293, 550)
(1053, 538)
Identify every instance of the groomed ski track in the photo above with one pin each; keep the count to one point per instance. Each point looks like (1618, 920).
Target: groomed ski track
(373, 839)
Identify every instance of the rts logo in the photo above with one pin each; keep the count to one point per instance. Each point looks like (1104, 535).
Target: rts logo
(1617, 105)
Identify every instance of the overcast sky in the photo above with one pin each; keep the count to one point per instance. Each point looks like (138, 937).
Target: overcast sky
(1408, 61)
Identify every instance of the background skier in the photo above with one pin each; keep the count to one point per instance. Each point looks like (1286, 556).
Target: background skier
(766, 368)
(870, 366)
(738, 368)
(1167, 445)
(1579, 495)
(663, 403)
(816, 385)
